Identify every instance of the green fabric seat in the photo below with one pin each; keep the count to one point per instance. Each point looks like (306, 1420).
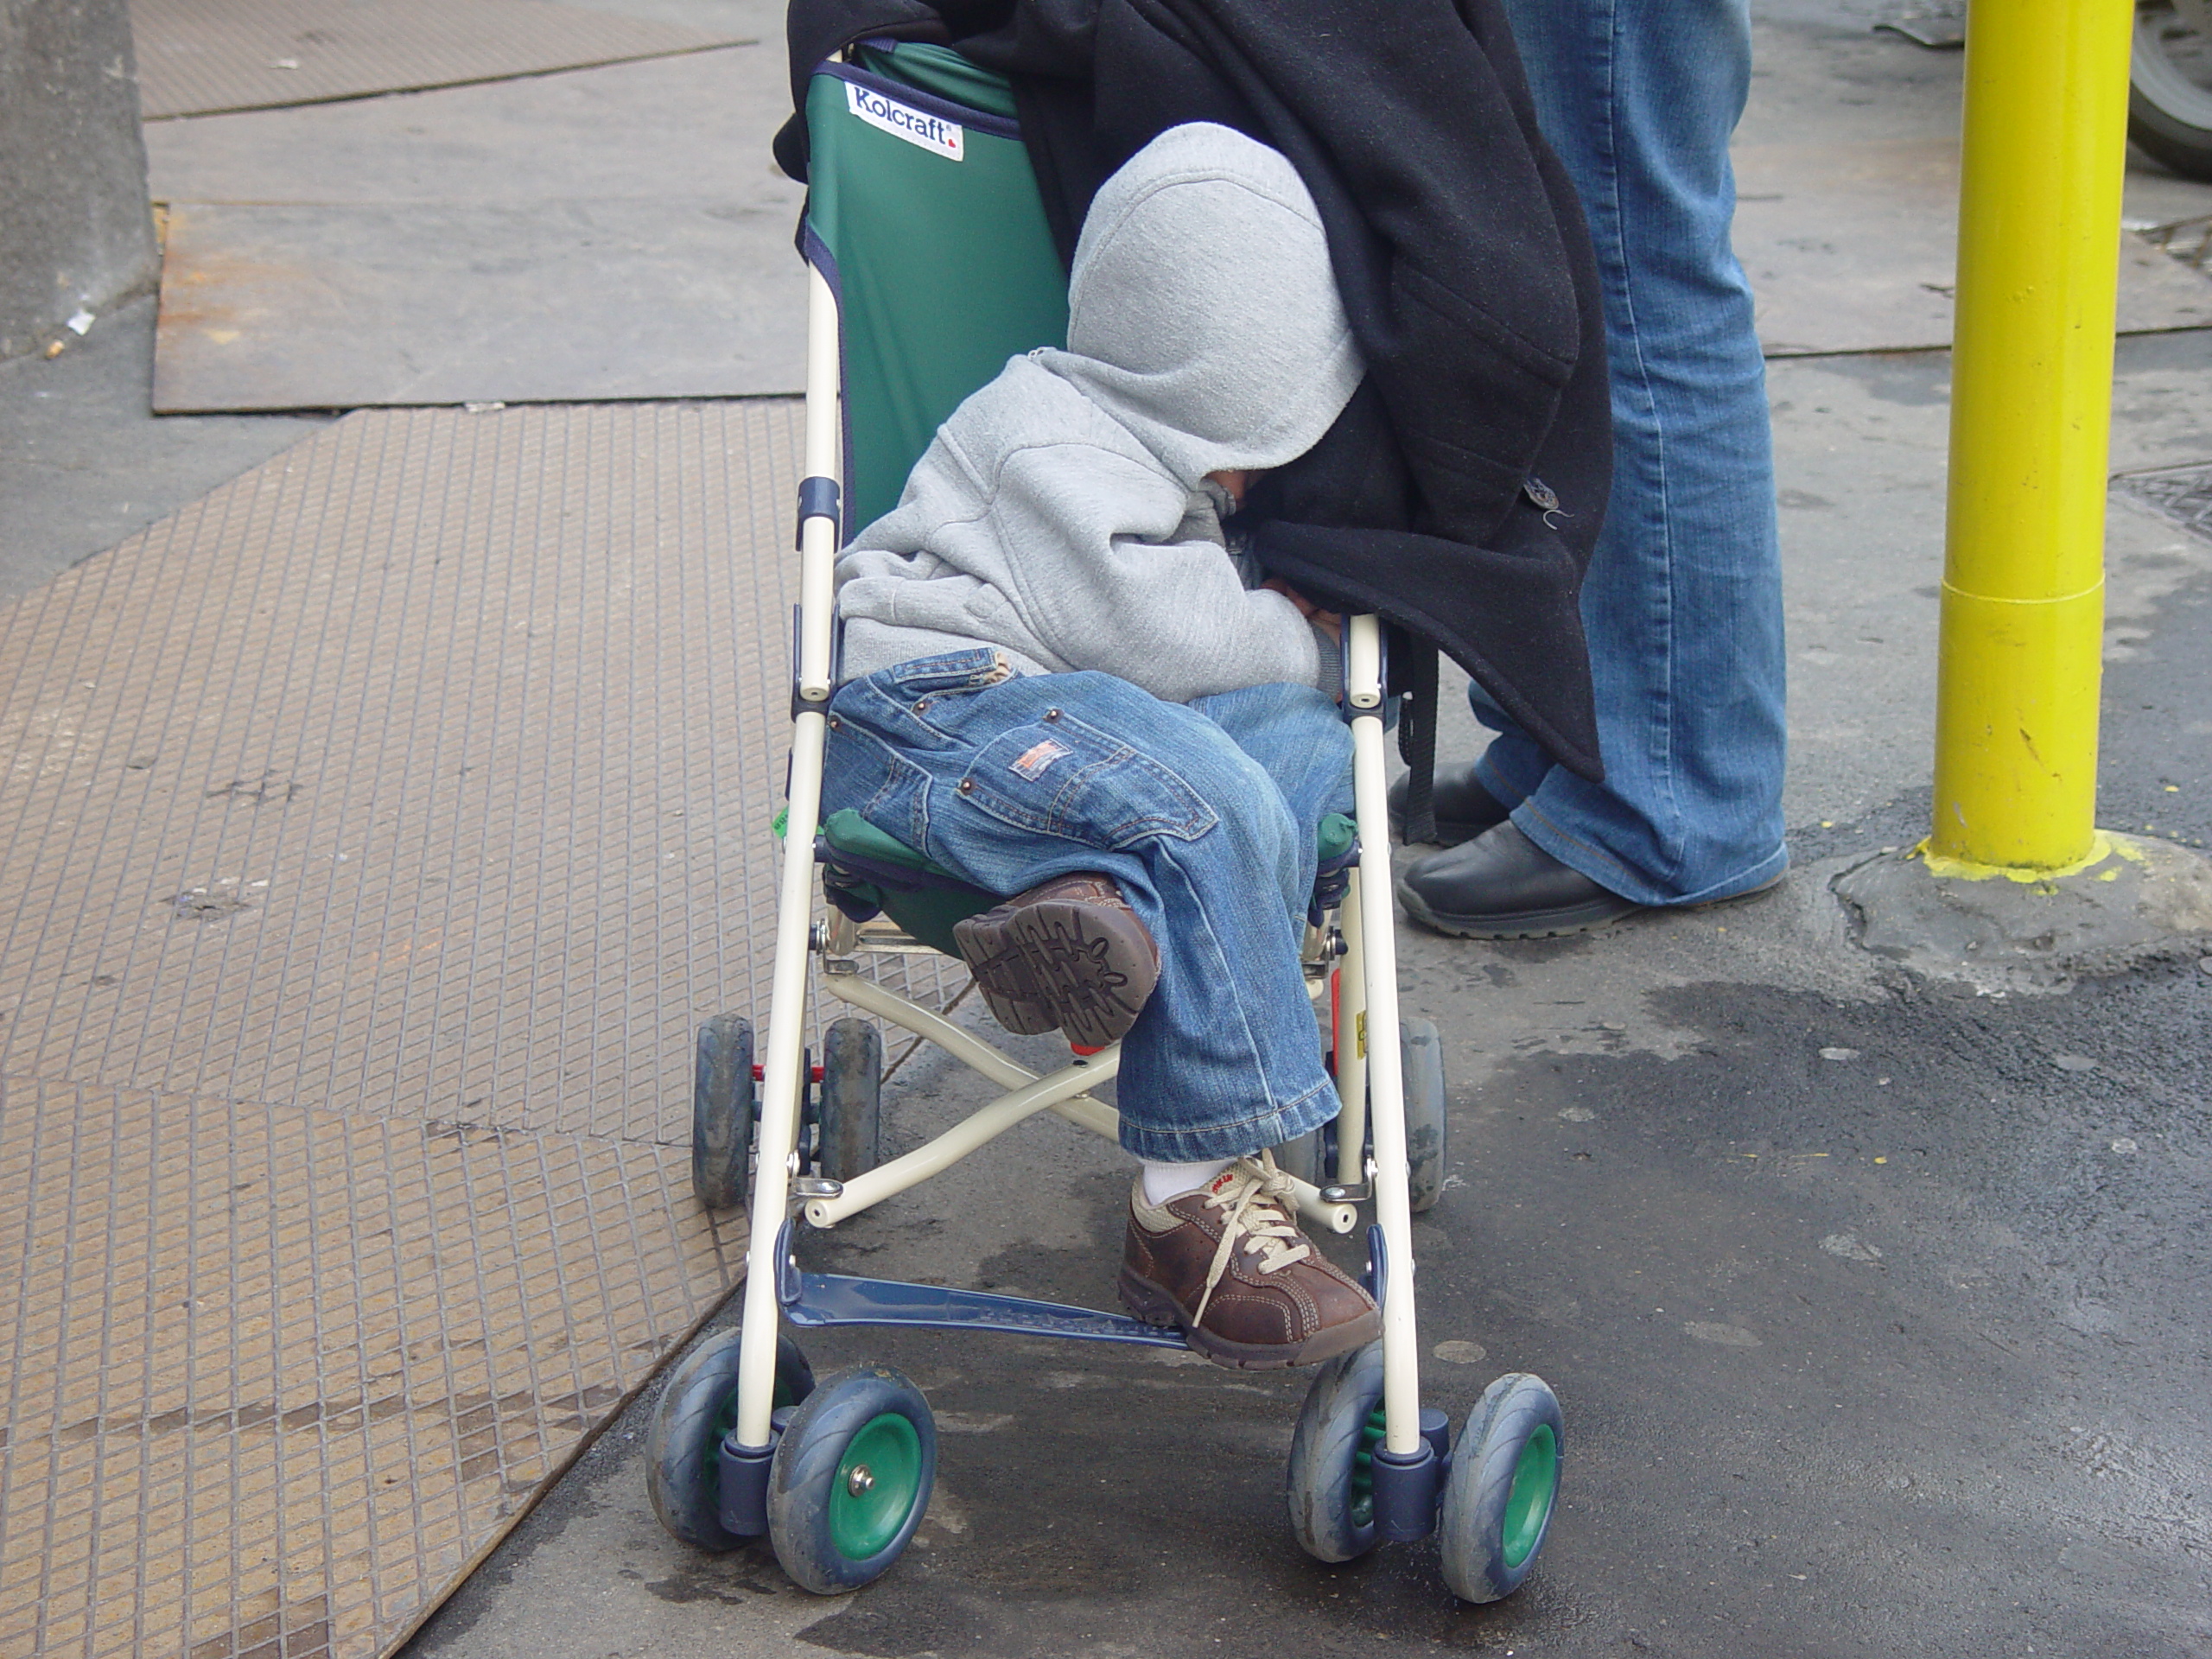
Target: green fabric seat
(944, 267)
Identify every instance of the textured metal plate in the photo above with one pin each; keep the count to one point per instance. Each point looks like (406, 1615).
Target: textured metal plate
(200, 57)
(376, 829)
(280, 1373)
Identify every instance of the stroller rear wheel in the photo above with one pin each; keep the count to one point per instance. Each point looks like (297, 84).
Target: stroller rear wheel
(721, 1111)
(1307, 1157)
(851, 1478)
(1498, 1504)
(851, 1110)
(697, 1408)
(1331, 1491)
(1422, 1052)
(1312, 1156)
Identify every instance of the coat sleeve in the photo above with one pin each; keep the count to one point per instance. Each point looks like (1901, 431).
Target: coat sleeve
(1085, 534)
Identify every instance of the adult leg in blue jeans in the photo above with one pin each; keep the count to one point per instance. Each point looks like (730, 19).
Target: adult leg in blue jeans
(1683, 599)
(1201, 817)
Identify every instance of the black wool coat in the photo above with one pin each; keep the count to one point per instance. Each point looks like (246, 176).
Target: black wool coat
(1460, 493)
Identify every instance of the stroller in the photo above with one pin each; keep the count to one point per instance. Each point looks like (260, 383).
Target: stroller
(930, 264)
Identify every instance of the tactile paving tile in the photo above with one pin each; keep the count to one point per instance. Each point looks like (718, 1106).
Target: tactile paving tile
(377, 830)
(278, 1374)
(202, 57)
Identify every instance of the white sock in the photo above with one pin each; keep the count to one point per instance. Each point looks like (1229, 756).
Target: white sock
(1165, 1181)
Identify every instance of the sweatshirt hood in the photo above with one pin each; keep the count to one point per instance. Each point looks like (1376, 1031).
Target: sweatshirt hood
(1202, 313)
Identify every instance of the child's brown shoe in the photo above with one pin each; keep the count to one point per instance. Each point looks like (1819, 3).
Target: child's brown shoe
(1228, 1265)
(1069, 953)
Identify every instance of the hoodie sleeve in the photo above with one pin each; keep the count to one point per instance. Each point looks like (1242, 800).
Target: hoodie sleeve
(1086, 534)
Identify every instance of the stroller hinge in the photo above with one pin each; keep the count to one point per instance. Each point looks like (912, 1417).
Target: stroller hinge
(818, 498)
(801, 704)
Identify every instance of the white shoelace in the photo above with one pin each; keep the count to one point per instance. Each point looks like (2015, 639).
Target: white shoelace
(1258, 1199)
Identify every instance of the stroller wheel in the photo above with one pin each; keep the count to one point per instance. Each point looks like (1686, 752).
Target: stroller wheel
(1498, 1502)
(851, 1478)
(721, 1111)
(697, 1408)
(1331, 1493)
(1422, 1058)
(851, 1107)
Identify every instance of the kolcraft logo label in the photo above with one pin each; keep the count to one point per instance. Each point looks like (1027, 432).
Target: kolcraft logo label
(932, 132)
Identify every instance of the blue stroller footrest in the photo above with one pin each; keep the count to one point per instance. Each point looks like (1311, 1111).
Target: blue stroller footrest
(825, 1299)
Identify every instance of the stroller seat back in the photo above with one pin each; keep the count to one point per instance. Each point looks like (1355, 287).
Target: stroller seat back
(924, 217)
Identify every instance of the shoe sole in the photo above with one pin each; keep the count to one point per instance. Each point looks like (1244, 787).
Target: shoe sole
(1083, 970)
(1586, 918)
(1155, 1305)
(1002, 974)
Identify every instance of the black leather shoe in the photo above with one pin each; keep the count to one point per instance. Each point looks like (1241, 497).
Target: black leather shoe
(1503, 885)
(1464, 808)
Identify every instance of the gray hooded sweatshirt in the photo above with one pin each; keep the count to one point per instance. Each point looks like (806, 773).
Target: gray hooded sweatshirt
(1062, 513)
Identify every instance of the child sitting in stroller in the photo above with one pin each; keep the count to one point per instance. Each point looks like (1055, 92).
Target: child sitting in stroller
(1066, 684)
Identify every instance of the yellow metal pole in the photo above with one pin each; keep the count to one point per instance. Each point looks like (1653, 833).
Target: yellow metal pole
(2023, 618)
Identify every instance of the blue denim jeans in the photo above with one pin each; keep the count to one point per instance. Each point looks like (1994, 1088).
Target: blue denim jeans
(1684, 602)
(1204, 813)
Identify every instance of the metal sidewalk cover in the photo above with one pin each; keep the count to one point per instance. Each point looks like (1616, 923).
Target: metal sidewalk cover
(374, 830)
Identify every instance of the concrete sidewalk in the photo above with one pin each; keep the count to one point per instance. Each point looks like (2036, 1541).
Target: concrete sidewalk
(1879, 1309)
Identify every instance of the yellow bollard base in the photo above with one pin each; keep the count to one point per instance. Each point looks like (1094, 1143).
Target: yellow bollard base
(2136, 901)
(1965, 869)
(2016, 728)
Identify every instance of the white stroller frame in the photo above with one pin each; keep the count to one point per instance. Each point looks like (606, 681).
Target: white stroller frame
(1368, 1074)
(744, 1444)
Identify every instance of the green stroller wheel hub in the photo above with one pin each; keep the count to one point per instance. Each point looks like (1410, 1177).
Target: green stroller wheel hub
(1362, 1470)
(1528, 1500)
(877, 1481)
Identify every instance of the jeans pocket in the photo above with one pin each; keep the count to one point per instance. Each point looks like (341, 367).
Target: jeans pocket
(956, 671)
(861, 771)
(1061, 777)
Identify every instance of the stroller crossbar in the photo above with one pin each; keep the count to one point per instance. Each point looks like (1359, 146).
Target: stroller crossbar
(1066, 1092)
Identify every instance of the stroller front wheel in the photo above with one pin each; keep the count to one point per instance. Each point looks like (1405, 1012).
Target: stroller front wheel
(1331, 1490)
(851, 1479)
(697, 1408)
(1498, 1503)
